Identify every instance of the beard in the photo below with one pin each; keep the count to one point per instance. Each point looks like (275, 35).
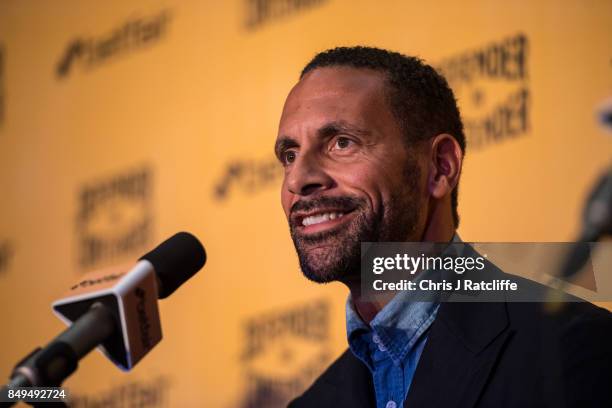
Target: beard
(335, 255)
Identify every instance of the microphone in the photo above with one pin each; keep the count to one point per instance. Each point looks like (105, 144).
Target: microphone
(115, 309)
(597, 223)
(597, 212)
(597, 215)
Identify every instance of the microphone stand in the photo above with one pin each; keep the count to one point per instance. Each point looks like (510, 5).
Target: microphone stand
(50, 366)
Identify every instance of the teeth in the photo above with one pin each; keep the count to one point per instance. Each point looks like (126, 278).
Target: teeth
(319, 218)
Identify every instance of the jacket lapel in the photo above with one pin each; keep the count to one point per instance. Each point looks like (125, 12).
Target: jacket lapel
(354, 387)
(462, 348)
(346, 384)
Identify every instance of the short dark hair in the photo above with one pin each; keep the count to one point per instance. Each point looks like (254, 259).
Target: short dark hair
(420, 98)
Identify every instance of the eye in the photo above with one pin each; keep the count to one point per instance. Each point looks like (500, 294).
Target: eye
(288, 157)
(343, 143)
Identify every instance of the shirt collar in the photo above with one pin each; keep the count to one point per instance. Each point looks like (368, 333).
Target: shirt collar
(399, 324)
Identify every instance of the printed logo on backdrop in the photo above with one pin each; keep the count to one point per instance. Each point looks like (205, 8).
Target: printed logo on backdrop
(6, 256)
(262, 12)
(151, 393)
(136, 34)
(491, 84)
(284, 352)
(249, 176)
(115, 217)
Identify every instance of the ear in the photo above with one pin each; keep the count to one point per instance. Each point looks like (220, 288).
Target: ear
(445, 165)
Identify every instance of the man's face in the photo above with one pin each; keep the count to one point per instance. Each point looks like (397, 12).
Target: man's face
(349, 176)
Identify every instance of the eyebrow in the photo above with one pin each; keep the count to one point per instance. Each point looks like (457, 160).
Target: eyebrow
(341, 126)
(329, 129)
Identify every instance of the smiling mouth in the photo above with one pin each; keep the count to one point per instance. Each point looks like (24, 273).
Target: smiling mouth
(321, 220)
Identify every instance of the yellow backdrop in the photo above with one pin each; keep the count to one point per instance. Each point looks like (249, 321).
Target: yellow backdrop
(124, 122)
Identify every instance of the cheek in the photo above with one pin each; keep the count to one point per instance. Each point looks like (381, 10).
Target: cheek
(367, 183)
(382, 182)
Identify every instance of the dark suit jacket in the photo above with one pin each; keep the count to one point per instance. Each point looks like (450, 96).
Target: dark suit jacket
(493, 355)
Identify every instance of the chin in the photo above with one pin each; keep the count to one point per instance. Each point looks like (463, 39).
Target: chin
(323, 265)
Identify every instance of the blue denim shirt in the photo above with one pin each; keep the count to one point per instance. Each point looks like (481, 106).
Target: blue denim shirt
(392, 343)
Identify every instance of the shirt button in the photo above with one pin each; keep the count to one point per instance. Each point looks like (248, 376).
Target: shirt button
(391, 404)
(379, 343)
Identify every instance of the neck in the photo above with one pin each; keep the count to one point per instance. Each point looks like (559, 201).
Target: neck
(368, 309)
(439, 227)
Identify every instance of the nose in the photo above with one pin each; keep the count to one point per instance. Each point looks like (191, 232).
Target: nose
(308, 176)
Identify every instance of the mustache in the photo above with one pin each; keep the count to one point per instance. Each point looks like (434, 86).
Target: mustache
(340, 203)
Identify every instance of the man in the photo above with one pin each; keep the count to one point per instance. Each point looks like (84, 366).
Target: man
(372, 146)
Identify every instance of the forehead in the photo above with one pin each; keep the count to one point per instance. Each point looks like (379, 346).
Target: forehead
(334, 94)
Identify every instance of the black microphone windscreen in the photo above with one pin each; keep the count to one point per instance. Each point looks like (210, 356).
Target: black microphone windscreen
(175, 261)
